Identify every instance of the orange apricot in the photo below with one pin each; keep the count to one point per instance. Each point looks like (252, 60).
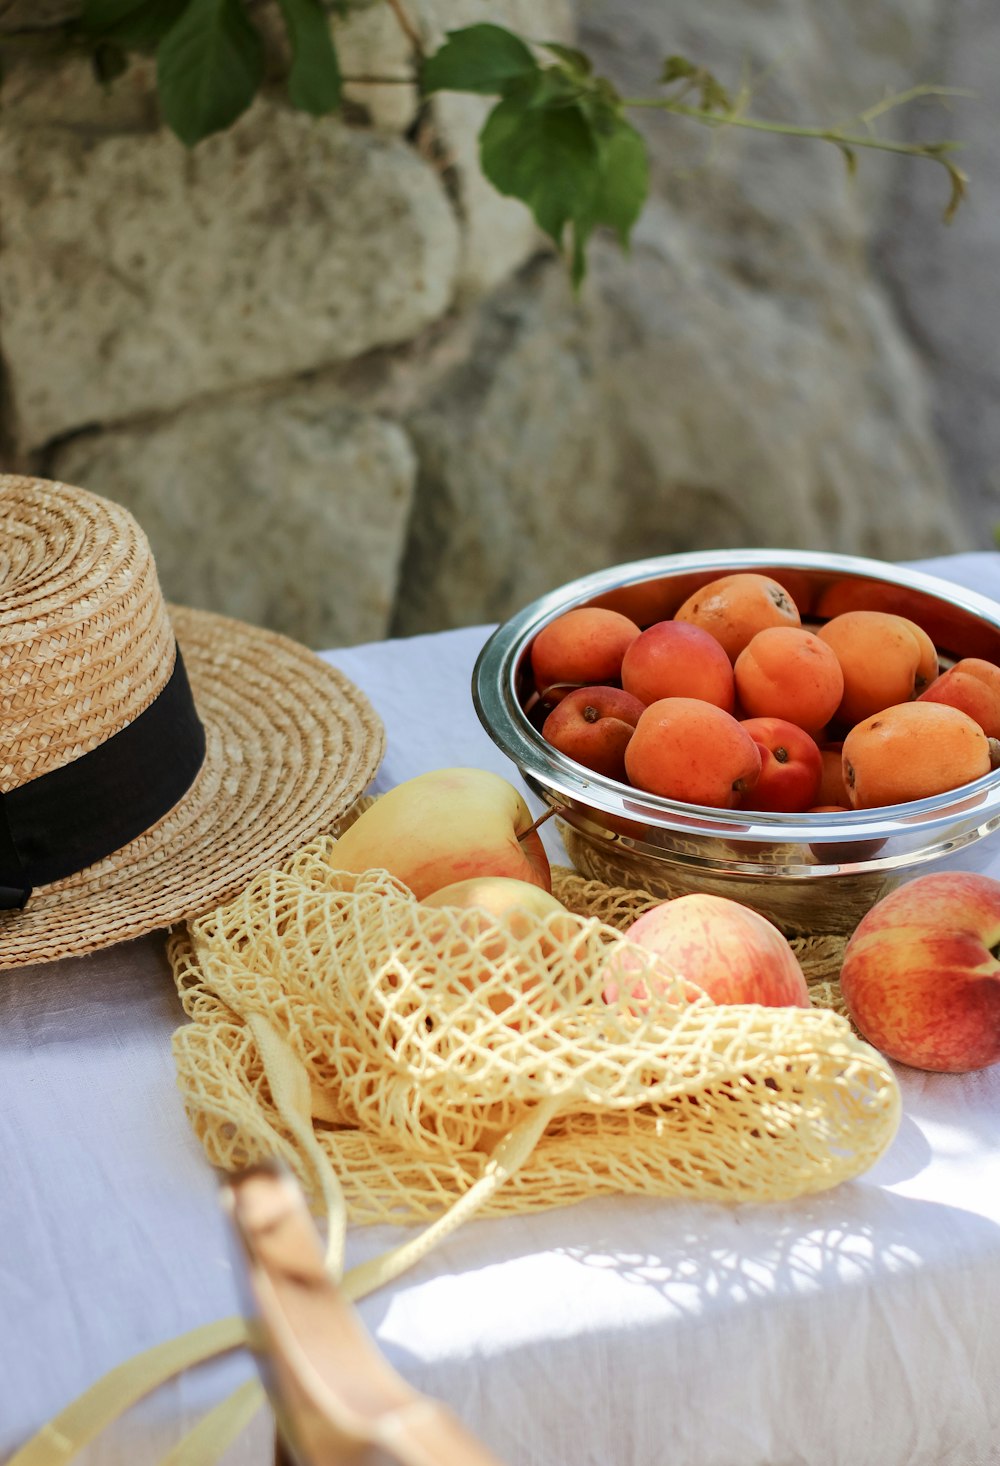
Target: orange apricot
(581, 647)
(675, 659)
(973, 686)
(832, 789)
(735, 607)
(911, 751)
(787, 672)
(885, 659)
(801, 585)
(691, 750)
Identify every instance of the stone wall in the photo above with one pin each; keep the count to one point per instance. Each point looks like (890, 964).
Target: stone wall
(348, 391)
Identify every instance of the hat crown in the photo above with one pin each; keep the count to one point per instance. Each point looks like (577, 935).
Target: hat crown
(86, 643)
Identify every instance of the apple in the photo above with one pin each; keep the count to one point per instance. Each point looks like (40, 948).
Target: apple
(446, 826)
(728, 951)
(921, 973)
(511, 908)
(593, 726)
(791, 767)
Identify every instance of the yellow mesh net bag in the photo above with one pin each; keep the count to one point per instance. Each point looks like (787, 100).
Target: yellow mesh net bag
(435, 1055)
(421, 1064)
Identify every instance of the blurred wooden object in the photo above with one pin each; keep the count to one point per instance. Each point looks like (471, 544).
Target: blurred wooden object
(335, 1398)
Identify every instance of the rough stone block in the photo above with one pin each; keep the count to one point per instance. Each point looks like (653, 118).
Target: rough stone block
(287, 511)
(136, 276)
(515, 475)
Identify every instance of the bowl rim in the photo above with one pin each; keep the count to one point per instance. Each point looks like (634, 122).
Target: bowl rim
(499, 710)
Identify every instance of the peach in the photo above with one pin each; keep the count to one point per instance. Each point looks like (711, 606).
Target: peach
(499, 915)
(722, 947)
(788, 672)
(582, 646)
(675, 659)
(593, 725)
(885, 659)
(911, 751)
(921, 975)
(735, 607)
(791, 767)
(974, 686)
(690, 750)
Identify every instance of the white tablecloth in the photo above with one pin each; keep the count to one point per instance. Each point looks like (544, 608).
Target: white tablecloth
(858, 1328)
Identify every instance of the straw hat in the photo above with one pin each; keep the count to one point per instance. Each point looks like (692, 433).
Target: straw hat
(144, 780)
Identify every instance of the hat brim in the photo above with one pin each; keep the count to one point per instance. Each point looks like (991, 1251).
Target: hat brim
(291, 743)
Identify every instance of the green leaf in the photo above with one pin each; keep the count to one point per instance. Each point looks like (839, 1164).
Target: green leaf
(623, 181)
(314, 82)
(139, 24)
(208, 68)
(714, 97)
(676, 67)
(575, 60)
(481, 58)
(551, 87)
(620, 192)
(850, 159)
(547, 157)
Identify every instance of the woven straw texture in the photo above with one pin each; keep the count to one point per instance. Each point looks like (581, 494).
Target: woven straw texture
(391, 1049)
(86, 641)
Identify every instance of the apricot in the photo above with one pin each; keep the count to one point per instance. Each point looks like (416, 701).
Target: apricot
(585, 645)
(788, 672)
(686, 749)
(800, 584)
(911, 751)
(832, 789)
(593, 725)
(973, 686)
(675, 659)
(886, 659)
(735, 607)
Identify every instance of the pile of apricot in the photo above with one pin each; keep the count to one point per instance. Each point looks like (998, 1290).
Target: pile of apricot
(733, 703)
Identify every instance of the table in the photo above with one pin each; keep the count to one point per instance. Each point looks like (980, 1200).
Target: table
(857, 1328)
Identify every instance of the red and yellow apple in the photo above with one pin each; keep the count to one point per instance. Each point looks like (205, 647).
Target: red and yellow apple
(921, 973)
(726, 950)
(791, 767)
(444, 826)
(593, 725)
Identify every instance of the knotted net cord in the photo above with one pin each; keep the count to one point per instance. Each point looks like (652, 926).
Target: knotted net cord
(421, 1064)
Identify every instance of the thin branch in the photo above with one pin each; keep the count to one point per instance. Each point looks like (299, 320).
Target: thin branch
(380, 81)
(898, 99)
(788, 129)
(845, 141)
(407, 26)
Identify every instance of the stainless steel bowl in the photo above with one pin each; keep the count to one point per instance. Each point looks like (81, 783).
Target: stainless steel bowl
(809, 873)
